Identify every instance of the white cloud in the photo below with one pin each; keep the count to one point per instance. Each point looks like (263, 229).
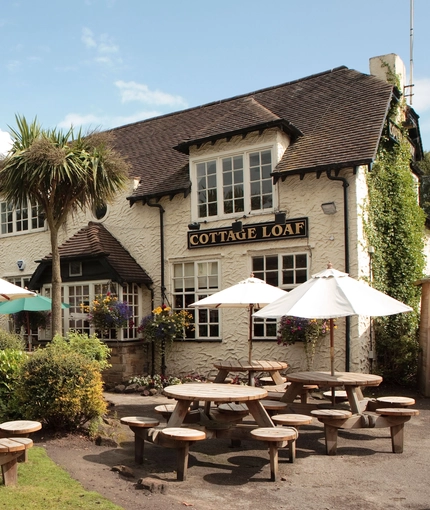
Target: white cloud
(106, 51)
(132, 91)
(91, 121)
(13, 65)
(421, 97)
(88, 38)
(76, 120)
(5, 142)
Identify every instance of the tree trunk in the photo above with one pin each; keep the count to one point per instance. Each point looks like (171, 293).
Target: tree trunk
(56, 283)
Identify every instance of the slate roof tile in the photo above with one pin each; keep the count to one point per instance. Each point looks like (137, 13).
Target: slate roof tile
(95, 240)
(338, 116)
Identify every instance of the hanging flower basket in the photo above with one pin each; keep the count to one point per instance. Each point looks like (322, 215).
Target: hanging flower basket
(307, 331)
(164, 324)
(106, 312)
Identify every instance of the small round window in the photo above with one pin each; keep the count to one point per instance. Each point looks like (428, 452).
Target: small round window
(100, 211)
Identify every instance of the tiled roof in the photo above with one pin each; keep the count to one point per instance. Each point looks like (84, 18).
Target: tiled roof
(95, 240)
(336, 119)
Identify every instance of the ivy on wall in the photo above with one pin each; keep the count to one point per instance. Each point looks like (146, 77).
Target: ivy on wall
(395, 228)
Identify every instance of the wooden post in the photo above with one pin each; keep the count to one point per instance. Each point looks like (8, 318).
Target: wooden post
(424, 339)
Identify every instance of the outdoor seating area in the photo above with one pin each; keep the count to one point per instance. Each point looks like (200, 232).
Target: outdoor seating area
(243, 413)
(273, 410)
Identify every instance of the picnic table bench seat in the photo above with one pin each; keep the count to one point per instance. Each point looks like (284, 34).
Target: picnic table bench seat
(19, 428)
(11, 448)
(166, 410)
(277, 437)
(183, 438)
(396, 418)
(140, 426)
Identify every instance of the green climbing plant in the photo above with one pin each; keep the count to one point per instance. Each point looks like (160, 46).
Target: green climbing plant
(394, 226)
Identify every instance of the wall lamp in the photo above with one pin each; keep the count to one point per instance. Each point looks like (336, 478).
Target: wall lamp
(280, 218)
(236, 226)
(194, 226)
(329, 208)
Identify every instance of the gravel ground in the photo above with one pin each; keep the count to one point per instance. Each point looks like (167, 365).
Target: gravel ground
(364, 474)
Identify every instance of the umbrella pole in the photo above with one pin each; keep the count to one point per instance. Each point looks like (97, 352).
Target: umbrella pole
(251, 376)
(331, 346)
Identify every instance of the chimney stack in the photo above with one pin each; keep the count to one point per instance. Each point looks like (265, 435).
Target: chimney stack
(395, 64)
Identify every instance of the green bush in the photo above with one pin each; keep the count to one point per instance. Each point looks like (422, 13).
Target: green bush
(89, 346)
(61, 388)
(11, 364)
(11, 341)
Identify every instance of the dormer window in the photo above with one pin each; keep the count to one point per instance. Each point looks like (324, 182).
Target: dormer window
(232, 184)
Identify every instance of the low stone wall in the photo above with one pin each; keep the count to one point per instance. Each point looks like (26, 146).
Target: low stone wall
(128, 359)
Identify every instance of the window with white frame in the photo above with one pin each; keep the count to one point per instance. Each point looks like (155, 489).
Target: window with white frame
(240, 183)
(85, 293)
(193, 281)
(280, 270)
(20, 220)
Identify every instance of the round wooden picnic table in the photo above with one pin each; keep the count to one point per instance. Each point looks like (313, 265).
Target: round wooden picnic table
(185, 394)
(271, 367)
(352, 381)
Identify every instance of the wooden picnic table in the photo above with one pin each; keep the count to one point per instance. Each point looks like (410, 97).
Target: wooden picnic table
(351, 381)
(186, 394)
(271, 367)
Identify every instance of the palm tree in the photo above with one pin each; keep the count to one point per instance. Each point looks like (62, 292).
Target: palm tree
(60, 172)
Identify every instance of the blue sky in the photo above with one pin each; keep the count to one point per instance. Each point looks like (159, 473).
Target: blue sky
(106, 63)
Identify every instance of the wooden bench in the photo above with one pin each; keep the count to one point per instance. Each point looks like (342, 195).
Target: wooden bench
(292, 420)
(19, 428)
(166, 410)
(339, 396)
(395, 401)
(331, 417)
(398, 417)
(234, 410)
(11, 448)
(268, 381)
(140, 426)
(184, 437)
(276, 438)
(278, 391)
(272, 406)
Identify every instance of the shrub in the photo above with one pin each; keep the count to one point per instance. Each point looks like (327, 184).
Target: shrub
(11, 341)
(61, 388)
(11, 364)
(89, 346)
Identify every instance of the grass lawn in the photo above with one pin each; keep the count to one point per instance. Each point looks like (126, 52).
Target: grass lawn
(44, 485)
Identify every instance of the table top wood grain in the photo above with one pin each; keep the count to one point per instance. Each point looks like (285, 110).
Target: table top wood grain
(255, 365)
(217, 392)
(338, 379)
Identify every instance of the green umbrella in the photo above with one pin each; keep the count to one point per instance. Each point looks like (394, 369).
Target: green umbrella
(30, 304)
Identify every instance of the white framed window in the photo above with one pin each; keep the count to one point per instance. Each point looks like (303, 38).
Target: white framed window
(85, 293)
(228, 185)
(193, 281)
(75, 268)
(280, 270)
(21, 220)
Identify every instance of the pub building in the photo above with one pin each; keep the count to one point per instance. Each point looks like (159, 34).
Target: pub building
(271, 182)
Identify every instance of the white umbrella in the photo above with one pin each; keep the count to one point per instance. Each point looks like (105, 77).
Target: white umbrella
(250, 293)
(330, 294)
(9, 291)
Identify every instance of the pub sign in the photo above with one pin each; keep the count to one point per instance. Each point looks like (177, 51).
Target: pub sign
(271, 231)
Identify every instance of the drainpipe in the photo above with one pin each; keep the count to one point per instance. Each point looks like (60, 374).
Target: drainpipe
(163, 286)
(345, 185)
